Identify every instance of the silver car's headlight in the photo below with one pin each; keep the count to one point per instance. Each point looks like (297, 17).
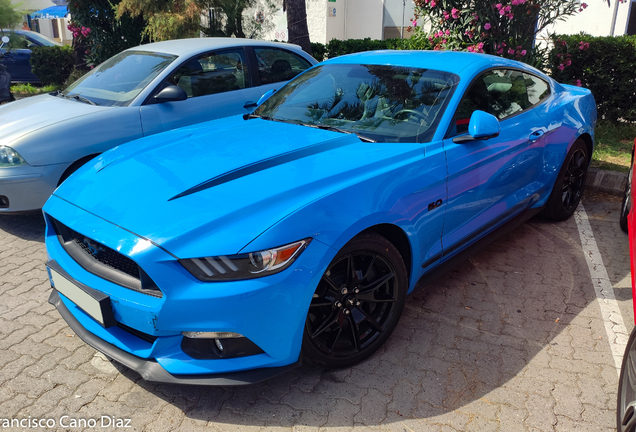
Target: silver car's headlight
(10, 157)
(245, 266)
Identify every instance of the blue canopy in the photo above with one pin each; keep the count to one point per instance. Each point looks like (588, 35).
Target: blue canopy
(50, 13)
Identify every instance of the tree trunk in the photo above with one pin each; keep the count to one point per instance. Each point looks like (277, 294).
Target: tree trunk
(297, 32)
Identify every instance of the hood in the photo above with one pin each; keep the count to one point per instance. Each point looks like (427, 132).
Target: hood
(27, 115)
(212, 188)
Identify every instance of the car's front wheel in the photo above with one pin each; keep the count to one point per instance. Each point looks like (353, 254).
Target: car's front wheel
(357, 303)
(626, 400)
(568, 187)
(626, 205)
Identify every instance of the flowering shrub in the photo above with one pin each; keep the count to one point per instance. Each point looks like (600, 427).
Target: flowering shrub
(605, 65)
(504, 27)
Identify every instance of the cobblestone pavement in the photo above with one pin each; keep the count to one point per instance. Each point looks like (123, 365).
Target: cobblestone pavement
(511, 340)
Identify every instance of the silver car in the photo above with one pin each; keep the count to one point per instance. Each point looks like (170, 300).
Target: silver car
(139, 92)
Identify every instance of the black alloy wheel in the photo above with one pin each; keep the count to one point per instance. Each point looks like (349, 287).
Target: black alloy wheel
(626, 400)
(569, 185)
(357, 303)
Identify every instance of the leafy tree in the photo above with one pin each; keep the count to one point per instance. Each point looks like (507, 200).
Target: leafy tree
(9, 17)
(504, 27)
(99, 34)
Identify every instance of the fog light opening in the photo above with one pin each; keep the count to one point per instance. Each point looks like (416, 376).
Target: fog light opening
(218, 344)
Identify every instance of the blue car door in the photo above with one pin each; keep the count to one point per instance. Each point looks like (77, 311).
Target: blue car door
(218, 84)
(490, 181)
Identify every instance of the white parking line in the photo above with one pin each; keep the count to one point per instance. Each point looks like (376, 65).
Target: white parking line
(614, 325)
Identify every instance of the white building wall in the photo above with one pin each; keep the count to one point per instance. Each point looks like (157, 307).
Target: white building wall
(595, 20)
(363, 19)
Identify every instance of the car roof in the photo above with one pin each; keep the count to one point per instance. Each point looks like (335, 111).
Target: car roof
(187, 47)
(448, 61)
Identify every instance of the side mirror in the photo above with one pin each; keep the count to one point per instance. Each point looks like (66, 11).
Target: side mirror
(265, 96)
(5, 39)
(171, 93)
(482, 126)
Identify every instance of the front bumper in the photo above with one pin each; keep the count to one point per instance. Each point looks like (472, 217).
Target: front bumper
(270, 311)
(28, 187)
(150, 370)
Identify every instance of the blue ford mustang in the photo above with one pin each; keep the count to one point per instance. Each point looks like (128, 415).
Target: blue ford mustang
(226, 252)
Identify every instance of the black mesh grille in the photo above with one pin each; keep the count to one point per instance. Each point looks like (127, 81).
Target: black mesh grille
(106, 255)
(103, 261)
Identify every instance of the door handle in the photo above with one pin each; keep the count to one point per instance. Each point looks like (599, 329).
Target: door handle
(249, 105)
(536, 135)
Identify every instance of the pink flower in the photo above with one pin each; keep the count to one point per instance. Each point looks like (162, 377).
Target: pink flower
(487, 26)
(480, 45)
(502, 12)
(507, 8)
(564, 43)
(446, 15)
(455, 13)
(568, 62)
(498, 5)
(561, 67)
(583, 5)
(500, 51)
(447, 32)
(511, 51)
(583, 45)
(523, 52)
(433, 3)
(414, 23)
(578, 83)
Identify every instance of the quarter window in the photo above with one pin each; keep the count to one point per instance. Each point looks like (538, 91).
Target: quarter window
(276, 65)
(212, 73)
(502, 93)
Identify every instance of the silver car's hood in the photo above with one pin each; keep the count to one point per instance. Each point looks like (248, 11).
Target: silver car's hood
(27, 115)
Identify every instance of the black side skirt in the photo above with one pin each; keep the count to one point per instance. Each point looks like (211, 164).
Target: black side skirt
(150, 370)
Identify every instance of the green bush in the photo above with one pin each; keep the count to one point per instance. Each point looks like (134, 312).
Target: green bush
(337, 47)
(605, 65)
(52, 64)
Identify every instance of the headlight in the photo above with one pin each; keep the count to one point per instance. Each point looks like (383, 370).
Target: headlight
(245, 266)
(10, 157)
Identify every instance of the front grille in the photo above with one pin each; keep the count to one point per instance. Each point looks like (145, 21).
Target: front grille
(104, 262)
(105, 255)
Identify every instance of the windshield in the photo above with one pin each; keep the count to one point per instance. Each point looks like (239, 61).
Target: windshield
(119, 80)
(381, 103)
(40, 38)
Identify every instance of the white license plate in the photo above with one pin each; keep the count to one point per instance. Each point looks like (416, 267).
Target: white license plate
(81, 298)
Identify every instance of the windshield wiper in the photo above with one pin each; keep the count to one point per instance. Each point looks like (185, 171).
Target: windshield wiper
(81, 99)
(337, 129)
(252, 116)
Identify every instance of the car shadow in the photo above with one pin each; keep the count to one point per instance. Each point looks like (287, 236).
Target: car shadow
(27, 226)
(495, 330)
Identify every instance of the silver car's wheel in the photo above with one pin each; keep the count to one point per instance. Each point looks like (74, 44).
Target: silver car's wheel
(626, 403)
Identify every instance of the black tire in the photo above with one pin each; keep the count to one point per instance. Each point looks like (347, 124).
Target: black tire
(568, 187)
(357, 304)
(626, 399)
(626, 205)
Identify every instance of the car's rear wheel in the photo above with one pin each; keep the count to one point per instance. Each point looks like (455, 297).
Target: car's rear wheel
(626, 400)
(357, 303)
(627, 196)
(568, 187)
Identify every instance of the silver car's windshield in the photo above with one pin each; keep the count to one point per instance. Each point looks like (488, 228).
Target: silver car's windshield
(119, 80)
(376, 102)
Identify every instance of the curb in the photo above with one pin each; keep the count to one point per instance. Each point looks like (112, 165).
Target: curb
(612, 182)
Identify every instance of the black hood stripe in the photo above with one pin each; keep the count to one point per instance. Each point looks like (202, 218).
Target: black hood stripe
(265, 164)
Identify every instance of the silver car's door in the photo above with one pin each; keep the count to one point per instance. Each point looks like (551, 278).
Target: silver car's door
(275, 66)
(218, 84)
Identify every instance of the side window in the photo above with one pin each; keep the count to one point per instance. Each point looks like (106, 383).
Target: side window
(499, 92)
(275, 65)
(212, 73)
